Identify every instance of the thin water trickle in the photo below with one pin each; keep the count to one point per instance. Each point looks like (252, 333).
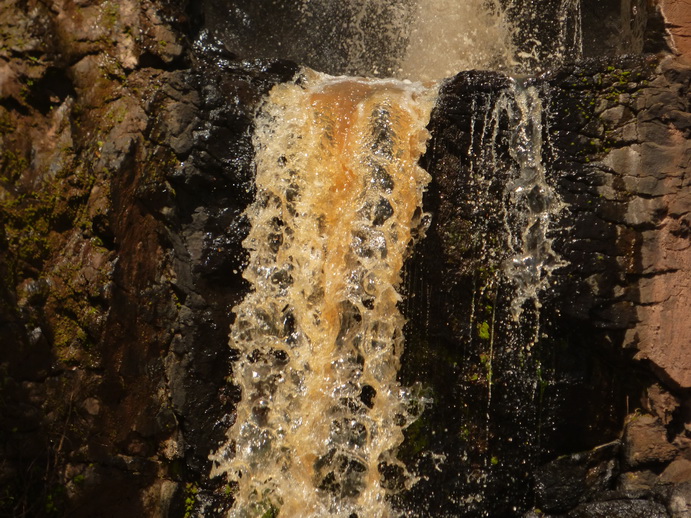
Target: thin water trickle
(533, 202)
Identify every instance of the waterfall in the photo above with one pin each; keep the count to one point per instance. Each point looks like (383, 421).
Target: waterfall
(405, 39)
(337, 211)
(448, 36)
(338, 207)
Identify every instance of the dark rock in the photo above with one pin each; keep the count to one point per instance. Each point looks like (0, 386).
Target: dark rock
(620, 509)
(568, 481)
(637, 481)
(127, 163)
(680, 500)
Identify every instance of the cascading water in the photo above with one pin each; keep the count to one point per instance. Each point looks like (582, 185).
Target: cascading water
(533, 203)
(338, 208)
(448, 36)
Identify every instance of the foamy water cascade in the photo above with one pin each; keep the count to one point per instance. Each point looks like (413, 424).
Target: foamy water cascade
(338, 208)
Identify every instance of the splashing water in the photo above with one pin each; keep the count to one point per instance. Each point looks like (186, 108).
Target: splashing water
(338, 206)
(407, 39)
(448, 36)
(529, 203)
(532, 201)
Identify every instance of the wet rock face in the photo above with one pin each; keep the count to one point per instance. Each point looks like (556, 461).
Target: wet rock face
(633, 154)
(599, 299)
(125, 169)
(571, 480)
(320, 35)
(629, 156)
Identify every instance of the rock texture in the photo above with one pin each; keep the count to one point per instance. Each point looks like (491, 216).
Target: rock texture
(613, 152)
(633, 154)
(125, 165)
(677, 15)
(125, 169)
(655, 165)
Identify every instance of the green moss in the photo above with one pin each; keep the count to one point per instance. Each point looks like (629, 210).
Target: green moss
(483, 330)
(416, 438)
(263, 509)
(11, 166)
(55, 499)
(110, 15)
(271, 512)
(7, 126)
(68, 338)
(191, 490)
(459, 236)
(113, 69)
(28, 221)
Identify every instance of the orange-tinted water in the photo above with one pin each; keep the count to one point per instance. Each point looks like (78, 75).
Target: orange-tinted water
(339, 195)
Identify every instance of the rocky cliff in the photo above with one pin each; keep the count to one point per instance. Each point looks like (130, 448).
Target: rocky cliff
(126, 164)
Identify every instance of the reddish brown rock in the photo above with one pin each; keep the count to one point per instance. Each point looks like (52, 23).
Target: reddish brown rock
(677, 14)
(651, 171)
(645, 442)
(661, 403)
(125, 171)
(637, 481)
(677, 472)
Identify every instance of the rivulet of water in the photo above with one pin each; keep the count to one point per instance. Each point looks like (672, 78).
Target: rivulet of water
(532, 202)
(511, 127)
(338, 207)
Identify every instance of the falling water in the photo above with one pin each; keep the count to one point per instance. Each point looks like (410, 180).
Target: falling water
(544, 34)
(448, 36)
(406, 39)
(532, 202)
(337, 210)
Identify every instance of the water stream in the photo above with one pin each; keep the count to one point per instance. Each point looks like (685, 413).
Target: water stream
(337, 211)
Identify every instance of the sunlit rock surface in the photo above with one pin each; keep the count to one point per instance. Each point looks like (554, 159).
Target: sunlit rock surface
(677, 17)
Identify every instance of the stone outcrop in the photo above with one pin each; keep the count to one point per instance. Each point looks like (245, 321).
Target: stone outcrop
(617, 152)
(653, 166)
(125, 170)
(636, 161)
(125, 166)
(677, 16)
